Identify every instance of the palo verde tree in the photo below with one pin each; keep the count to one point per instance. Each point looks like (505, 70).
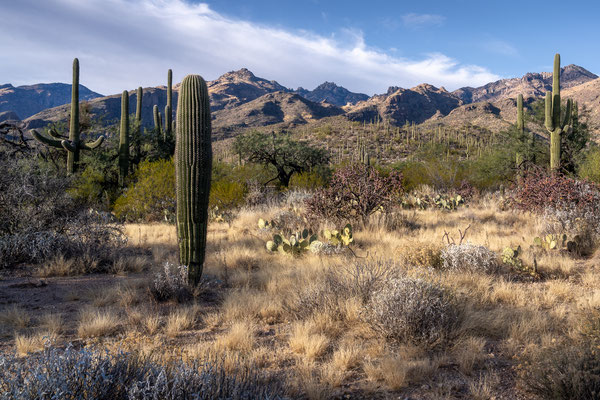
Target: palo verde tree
(286, 155)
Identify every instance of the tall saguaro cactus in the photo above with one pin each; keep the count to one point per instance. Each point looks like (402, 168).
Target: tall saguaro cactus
(520, 127)
(193, 164)
(74, 144)
(157, 119)
(169, 107)
(137, 139)
(554, 125)
(124, 138)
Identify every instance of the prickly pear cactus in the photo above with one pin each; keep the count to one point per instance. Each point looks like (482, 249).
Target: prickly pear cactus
(296, 245)
(342, 237)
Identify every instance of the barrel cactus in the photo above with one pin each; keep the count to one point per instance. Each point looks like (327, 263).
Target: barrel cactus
(193, 165)
(73, 145)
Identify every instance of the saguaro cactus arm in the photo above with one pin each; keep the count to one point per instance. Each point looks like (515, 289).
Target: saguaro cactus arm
(46, 140)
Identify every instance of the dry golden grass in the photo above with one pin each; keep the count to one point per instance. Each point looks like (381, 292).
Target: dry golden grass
(305, 340)
(322, 354)
(14, 317)
(27, 344)
(52, 323)
(95, 323)
(181, 320)
(239, 337)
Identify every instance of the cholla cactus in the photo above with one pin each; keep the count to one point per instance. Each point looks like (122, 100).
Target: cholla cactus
(298, 243)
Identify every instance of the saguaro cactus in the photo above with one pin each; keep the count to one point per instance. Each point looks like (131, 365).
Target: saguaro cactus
(520, 127)
(137, 139)
(157, 119)
(124, 138)
(73, 145)
(554, 125)
(169, 107)
(193, 164)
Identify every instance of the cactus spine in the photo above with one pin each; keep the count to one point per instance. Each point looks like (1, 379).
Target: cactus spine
(124, 139)
(553, 122)
(73, 145)
(193, 164)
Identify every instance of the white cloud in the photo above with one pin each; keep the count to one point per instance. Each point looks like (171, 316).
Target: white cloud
(122, 44)
(413, 20)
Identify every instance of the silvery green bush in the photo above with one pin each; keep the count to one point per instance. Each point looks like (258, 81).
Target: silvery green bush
(86, 374)
(414, 310)
(469, 257)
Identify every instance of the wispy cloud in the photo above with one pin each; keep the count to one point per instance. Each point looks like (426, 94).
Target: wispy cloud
(500, 47)
(125, 43)
(413, 20)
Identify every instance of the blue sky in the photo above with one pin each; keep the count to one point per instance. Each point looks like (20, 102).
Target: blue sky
(365, 46)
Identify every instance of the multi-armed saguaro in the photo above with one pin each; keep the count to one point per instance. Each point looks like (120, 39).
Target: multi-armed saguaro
(73, 145)
(124, 138)
(193, 164)
(554, 125)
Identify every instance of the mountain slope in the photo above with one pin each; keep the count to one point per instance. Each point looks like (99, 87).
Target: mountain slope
(26, 101)
(239, 87)
(529, 85)
(405, 105)
(274, 108)
(332, 93)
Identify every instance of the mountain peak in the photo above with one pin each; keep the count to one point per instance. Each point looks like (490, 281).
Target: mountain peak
(242, 74)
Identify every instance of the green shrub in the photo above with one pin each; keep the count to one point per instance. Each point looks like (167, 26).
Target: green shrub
(308, 180)
(227, 193)
(152, 196)
(590, 167)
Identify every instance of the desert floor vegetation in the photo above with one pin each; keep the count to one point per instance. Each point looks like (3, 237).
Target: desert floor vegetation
(427, 309)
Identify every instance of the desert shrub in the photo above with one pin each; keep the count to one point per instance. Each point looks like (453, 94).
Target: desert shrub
(40, 219)
(423, 255)
(152, 196)
(562, 372)
(539, 189)
(78, 374)
(469, 257)
(327, 295)
(590, 167)
(288, 221)
(568, 206)
(171, 283)
(355, 192)
(412, 310)
(309, 180)
(227, 194)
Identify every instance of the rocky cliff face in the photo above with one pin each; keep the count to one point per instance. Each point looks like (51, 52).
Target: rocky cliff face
(529, 85)
(333, 94)
(405, 105)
